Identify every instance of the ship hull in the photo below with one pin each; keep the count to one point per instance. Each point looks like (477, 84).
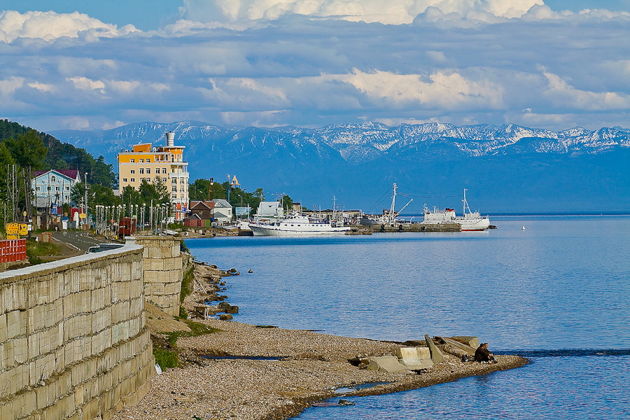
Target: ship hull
(279, 231)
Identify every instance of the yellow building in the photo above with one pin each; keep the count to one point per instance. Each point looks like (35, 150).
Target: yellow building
(157, 164)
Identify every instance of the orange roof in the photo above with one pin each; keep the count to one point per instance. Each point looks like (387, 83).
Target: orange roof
(142, 148)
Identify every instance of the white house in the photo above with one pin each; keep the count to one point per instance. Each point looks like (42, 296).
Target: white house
(53, 186)
(222, 211)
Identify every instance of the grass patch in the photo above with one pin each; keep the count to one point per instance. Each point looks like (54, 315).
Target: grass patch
(35, 250)
(165, 348)
(187, 283)
(165, 358)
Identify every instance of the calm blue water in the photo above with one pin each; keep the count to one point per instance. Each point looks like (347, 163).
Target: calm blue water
(563, 283)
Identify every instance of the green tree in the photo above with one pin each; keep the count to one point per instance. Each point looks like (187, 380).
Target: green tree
(155, 192)
(287, 202)
(5, 159)
(130, 196)
(97, 195)
(28, 150)
(102, 195)
(205, 189)
(77, 193)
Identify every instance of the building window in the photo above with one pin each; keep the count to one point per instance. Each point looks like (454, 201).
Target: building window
(163, 179)
(141, 160)
(133, 179)
(148, 160)
(57, 188)
(124, 179)
(48, 188)
(53, 179)
(133, 171)
(141, 170)
(182, 180)
(163, 170)
(67, 188)
(132, 160)
(173, 180)
(148, 170)
(37, 188)
(174, 188)
(174, 196)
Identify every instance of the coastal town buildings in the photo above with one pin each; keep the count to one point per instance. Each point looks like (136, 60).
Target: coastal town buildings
(160, 164)
(53, 188)
(217, 210)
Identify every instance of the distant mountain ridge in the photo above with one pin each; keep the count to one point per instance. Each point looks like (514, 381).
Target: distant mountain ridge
(370, 140)
(433, 160)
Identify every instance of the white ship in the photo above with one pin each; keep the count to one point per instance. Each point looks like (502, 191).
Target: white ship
(469, 222)
(297, 225)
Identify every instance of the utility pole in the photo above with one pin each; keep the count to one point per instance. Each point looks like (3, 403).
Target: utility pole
(86, 199)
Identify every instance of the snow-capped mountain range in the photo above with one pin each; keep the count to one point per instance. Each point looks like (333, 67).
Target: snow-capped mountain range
(434, 159)
(362, 142)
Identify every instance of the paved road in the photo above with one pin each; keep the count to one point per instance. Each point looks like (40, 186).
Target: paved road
(80, 240)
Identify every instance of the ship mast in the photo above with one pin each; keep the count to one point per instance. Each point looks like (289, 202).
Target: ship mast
(465, 203)
(392, 209)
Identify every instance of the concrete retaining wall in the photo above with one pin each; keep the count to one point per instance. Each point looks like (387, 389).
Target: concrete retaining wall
(73, 340)
(162, 271)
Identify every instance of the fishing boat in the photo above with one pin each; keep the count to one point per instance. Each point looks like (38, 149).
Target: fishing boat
(470, 221)
(389, 216)
(297, 225)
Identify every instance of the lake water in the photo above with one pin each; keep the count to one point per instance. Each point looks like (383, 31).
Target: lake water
(563, 283)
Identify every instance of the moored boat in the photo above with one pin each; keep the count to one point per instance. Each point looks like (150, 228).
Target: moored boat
(297, 225)
(470, 221)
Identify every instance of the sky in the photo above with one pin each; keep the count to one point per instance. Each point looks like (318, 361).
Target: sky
(89, 65)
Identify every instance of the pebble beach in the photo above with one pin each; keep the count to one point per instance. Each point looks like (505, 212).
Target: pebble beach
(287, 371)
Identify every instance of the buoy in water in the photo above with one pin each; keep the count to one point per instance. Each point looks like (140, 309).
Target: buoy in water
(250, 271)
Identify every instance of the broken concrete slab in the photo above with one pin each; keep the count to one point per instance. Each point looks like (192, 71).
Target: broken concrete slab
(413, 353)
(436, 354)
(454, 343)
(386, 363)
(468, 340)
(415, 358)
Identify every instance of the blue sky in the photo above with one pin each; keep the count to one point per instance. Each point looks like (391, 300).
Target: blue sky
(92, 65)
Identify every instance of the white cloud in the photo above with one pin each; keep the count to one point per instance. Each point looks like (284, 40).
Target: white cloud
(125, 86)
(382, 11)
(441, 89)
(563, 94)
(10, 85)
(76, 123)
(83, 83)
(50, 26)
(544, 12)
(42, 87)
(114, 124)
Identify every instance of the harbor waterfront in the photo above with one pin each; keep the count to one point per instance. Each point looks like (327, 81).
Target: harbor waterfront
(561, 284)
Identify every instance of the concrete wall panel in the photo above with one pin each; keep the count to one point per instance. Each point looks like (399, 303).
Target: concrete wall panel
(73, 341)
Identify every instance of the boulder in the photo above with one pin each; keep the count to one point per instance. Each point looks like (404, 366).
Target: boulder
(225, 317)
(436, 354)
(386, 364)
(233, 309)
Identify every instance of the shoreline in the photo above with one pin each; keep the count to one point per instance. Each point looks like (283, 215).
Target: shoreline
(311, 367)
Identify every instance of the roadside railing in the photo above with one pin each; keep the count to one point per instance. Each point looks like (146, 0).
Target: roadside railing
(12, 250)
